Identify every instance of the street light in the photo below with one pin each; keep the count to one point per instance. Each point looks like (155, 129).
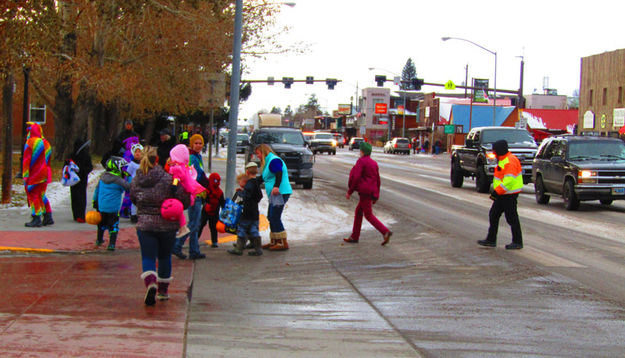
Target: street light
(487, 50)
(235, 83)
(403, 122)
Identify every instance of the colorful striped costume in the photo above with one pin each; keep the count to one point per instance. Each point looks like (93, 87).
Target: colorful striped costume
(36, 170)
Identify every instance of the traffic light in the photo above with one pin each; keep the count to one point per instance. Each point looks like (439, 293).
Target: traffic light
(380, 80)
(331, 82)
(310, 80)
(270, 81)
(416, 83)
(288, 81)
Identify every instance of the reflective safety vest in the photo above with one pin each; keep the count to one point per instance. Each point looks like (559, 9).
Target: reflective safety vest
(508, 178)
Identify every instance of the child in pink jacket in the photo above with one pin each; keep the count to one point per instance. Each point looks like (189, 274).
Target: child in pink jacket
(185, 174)
(364, 178)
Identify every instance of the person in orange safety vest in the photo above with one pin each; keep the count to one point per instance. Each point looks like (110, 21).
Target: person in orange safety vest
(507, 184)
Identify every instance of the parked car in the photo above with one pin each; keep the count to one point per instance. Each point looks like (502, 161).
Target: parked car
(340, 140)
(580, 168)
(288, 144)
(354, 143)
(243, 140)
(397, 145)
(323, 142)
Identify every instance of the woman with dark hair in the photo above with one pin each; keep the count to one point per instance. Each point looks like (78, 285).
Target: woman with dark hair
(81, 157)
(276, 177)
(157, 236)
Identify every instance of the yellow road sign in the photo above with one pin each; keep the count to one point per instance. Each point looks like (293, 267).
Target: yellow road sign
(450, 85)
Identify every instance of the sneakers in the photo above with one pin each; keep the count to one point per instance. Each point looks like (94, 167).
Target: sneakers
(350, 240)
(486, 243)
(196, 256)
(182, 232)
(214, 245)
(80, 220)
(111, 247)
(235, 251)
(179, 255)
(514, 246)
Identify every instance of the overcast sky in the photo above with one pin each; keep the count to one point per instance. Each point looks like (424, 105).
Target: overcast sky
(346, 37)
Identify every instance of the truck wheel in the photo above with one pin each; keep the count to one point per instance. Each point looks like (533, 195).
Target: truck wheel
(482, 183)
(308, 184)
(456, 175)
(606, 201)
(571, 202)
(539, 189)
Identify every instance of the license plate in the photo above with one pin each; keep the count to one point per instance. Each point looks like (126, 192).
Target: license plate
(618, 191)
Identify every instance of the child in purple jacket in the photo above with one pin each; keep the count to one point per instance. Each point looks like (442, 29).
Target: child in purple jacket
(364, 178)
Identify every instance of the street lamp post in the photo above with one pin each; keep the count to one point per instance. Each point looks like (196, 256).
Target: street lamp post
(495, 84)
(235, 83)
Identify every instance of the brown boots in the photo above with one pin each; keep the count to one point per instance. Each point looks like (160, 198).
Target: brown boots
(277, 242)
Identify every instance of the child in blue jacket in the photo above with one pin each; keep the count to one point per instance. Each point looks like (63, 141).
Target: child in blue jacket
(107, 199)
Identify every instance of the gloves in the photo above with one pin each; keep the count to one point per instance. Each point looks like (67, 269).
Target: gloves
(494, 196)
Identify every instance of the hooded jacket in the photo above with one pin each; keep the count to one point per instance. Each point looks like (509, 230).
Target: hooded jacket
(36, 164)
(364, 178)
(180, 168)
(215, 196)
(108, 193)
(148, 191)
(82, 158)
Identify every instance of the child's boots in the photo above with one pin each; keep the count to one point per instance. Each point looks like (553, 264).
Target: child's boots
(35, 222)
(257, 248)
(100, 239)
(47, 219)
(112, 241)
(238, 247)
(163, 287)
(150, 278)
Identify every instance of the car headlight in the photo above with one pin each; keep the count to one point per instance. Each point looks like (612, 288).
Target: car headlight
(491, 157)
(334, 143)
(307, 158)
(587, 177)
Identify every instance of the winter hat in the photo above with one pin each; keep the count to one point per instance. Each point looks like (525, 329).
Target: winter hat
(196, 137)
(365, 148)
(134, 148)
(179, 154)
(500, 147)
(171, 209)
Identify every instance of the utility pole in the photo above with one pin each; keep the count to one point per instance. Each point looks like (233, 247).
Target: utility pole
(521, 100)
(234, 100)
(466, 79)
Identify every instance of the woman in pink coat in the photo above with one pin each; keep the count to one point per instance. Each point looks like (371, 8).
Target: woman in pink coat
(364, 178)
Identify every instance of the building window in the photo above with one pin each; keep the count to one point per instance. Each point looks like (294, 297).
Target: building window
(604, 100)
(590, 98)
(620, 95)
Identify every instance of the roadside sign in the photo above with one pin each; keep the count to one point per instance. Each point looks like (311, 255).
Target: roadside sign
(450, 85)
(381, 108)
(450, 129)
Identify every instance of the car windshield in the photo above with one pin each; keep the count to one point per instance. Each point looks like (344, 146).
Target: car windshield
(242, 137)
(510, 136)
(597, 149)
(324, 136)
(293, 138)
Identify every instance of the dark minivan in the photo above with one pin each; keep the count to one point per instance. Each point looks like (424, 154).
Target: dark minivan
(580, 168)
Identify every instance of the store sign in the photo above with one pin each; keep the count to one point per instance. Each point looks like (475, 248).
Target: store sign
(589, 119)
(345, 109)
(381, 108)
(480, 93)
(450, 129)
(400, 109)
(618, 118)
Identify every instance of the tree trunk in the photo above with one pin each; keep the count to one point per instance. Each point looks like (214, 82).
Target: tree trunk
(7, 109)
(64, 107)
(148, 131)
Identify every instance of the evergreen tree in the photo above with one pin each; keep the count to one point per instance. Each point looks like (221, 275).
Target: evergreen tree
(407, 74)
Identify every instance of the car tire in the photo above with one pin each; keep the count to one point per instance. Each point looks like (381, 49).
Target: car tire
(482, 183)
(456, 176)
(334, 153)
(308, 184)
(571, 202)
(606, 201)
(539, 189)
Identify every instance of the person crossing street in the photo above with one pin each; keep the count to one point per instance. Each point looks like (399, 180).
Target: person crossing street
(507, 184)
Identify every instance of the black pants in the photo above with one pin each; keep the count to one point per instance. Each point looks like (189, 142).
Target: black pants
(505, 204)
(212, 225)
(79, 198)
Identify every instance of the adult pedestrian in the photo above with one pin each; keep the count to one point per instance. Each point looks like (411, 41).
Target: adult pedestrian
(276, 178)
(507, 184)
(148, 190)
(81, 157)
(195, 210)
(364, 178)
(167, 142)
(37, 174)
(119, 147)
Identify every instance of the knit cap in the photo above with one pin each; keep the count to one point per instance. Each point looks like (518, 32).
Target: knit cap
(365, 148)
(196, 137)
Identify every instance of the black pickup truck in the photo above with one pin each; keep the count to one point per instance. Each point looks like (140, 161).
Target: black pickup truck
(290, 145)
(476, 158)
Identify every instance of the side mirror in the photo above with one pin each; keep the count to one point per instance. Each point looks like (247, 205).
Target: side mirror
(557, 159)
